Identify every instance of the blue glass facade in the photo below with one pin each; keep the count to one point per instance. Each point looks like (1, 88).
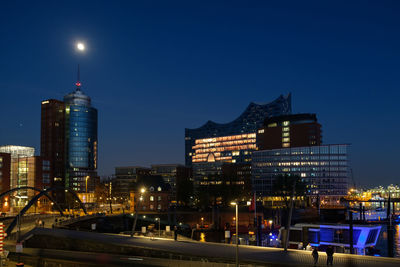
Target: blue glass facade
(248, 122)
(81, 141)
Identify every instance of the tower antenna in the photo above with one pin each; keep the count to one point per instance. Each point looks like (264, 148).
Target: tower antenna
(78, 83)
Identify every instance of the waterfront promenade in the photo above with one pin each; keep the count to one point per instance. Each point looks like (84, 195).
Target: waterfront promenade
(186, 249)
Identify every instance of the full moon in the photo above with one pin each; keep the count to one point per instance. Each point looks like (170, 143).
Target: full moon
(80, 46)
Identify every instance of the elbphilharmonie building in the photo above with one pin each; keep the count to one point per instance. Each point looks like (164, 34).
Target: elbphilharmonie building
(203, 142)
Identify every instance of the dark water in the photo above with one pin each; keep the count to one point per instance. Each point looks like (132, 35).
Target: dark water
(382, 243)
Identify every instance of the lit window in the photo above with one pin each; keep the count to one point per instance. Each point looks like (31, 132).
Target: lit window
(235, 153)
(159, 206)
(272, 125)
(285, 129)
(286, 139)
(285, 134)
(286, 123)
(286, 144)
(152, 207)
(159, 188)
(303, 174)
(159, 198)
(234, 161)
(261, 131)
(151, 198)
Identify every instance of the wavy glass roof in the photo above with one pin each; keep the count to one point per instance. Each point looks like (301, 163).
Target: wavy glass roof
(249, 121)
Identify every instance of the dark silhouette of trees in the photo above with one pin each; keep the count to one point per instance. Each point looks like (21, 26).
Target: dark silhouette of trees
(283, 187)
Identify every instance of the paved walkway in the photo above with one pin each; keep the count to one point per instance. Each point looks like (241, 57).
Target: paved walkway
(216, 251)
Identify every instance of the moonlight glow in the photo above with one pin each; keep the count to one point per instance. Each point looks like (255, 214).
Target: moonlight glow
(80, 46)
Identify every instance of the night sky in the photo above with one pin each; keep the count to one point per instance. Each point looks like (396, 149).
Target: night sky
(153, 68)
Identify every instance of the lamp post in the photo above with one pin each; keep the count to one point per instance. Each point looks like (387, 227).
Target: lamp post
(142, 190)
(237, 232)
(86, 179)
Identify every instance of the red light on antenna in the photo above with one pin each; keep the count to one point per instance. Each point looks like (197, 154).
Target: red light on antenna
(78, 84)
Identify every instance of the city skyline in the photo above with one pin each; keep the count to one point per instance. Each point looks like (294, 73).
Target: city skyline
(146, 95)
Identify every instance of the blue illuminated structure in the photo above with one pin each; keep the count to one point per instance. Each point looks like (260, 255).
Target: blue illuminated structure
(337, 235)
(81, 141)
(248, 122)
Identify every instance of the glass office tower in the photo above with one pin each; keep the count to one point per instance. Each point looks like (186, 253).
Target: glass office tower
(81, 142)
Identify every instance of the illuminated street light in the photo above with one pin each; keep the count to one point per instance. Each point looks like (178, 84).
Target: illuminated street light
(237, 232)
(142, 190)
(86, 179)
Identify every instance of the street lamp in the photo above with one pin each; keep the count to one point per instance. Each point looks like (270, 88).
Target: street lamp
(237, 232)
(142, 190)
(86, 179)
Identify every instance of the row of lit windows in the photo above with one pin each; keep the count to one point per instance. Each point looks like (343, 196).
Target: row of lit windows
(225, 138)
(224, 144)
(228, 148)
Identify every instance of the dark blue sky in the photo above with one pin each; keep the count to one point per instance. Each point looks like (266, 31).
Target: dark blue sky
(153, 68)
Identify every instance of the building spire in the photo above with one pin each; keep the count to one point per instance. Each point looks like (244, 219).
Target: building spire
(78, 83)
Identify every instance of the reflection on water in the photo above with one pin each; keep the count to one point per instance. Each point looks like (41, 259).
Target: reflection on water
(202, 237)
(397, 241)
(382, 243)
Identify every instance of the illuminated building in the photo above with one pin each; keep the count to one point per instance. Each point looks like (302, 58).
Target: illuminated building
(325, 169)
(248, 122)
(295, 130)
(52, 137)
(69, 139)
(381, 192)
(211, 153)
(29, 171)
(125, 180)
(18, 151)
(5, 171)
(232, 149)
(151, 193)
(81, 142)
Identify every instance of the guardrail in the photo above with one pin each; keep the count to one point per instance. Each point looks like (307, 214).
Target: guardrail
(63, 222)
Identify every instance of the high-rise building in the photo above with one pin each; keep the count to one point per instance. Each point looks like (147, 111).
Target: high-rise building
(52, 137)
(248, 122)
(325, 170)
(69, 139)
(81, 142)
(294, 130)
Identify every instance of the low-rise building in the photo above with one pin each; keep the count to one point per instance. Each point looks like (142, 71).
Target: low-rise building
(325, 170)
(151, 194)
